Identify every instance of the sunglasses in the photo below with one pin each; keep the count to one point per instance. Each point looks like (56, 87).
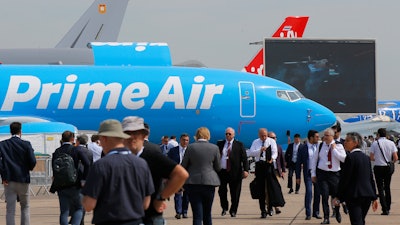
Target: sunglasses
(228, 134)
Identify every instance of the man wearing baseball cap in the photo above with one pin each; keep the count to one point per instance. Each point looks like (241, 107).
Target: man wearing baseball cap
(119, 185)
(160, 165)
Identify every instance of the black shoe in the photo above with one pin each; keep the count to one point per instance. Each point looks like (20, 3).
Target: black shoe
(223, 213)
(326, 221)
(296, 192)
(385, 213)
(308, 217)
(263, 215)
(338, 216)
(317, 216)
(178, 216)
(290, 191)
(270, 212)
(233, 214)
(185, 216)
(345, 209)
(277, 211)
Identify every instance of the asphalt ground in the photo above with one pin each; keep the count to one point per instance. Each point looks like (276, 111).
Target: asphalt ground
(45, 209)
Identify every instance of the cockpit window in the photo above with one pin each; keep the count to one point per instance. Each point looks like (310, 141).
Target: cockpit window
(293, 95)
(282, 95)
(289, 95)
(300, 94)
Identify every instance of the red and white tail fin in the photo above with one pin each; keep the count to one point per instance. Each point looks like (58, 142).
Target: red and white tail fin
(292, 27)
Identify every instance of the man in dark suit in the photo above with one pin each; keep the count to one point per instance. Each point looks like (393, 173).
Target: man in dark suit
(304, 157)
(164, 144)
(17, 159)
(291, 158)
(81, 145)
(356, 184)
(234, 167)
(181, 198)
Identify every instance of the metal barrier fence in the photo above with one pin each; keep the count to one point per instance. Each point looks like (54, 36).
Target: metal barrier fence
(40, 177)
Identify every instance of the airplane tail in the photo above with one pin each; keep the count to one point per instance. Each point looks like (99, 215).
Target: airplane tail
(292, 27)
(101, 22)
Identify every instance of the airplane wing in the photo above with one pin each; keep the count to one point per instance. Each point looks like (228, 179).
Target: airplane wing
(41, 127)
(101, 22)
(7, 120)
(386, 104)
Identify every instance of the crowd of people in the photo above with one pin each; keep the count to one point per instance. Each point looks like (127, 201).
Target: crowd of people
(125, 179)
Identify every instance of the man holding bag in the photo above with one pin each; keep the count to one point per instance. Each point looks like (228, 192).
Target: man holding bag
(383, 152)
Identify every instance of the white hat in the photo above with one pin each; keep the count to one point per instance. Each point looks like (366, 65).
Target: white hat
(133, 123)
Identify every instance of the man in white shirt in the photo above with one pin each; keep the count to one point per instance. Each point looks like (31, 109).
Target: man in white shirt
(265, 151)
(172, 143)
(325, 170)
(95, 147)
(383, 151)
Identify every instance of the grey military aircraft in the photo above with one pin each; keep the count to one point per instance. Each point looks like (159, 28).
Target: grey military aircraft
(370, 126)
(100, 23)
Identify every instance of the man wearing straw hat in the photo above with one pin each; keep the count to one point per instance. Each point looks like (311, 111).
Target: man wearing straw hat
(119, 185)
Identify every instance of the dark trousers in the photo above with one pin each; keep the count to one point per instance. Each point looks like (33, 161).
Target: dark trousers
(292, 169)
(201, 198)
(181, 201)
(261, 173)
(235, 187)
(131, 222)
(358, 209)
(309, 196)
(383, 179)
(328, 184)
(70, 199)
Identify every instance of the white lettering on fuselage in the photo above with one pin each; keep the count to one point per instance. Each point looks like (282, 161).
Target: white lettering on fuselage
(25, 88)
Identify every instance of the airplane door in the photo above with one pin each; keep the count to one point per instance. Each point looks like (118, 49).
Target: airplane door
(247, 99)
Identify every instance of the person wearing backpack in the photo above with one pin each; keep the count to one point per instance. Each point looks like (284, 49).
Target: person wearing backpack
(66, 181)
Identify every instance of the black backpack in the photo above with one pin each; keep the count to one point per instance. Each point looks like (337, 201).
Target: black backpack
(64, 171)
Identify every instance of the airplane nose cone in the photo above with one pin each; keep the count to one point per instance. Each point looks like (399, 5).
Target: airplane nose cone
(320, 117)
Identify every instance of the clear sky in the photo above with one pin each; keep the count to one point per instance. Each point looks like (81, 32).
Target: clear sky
(217, 32)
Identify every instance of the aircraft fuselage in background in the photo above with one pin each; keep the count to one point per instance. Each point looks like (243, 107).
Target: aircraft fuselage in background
(390, 108)
(172, 100)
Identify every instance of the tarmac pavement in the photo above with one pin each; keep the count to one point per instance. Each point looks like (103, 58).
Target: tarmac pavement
(45, 209)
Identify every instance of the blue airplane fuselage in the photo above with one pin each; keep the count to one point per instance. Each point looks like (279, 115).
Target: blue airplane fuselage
(172, 100)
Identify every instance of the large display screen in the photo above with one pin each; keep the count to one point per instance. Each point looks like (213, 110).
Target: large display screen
(339, 74)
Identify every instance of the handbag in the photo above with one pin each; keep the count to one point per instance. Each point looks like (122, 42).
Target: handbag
(390, 164)
(254, 189)
(391, 167)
